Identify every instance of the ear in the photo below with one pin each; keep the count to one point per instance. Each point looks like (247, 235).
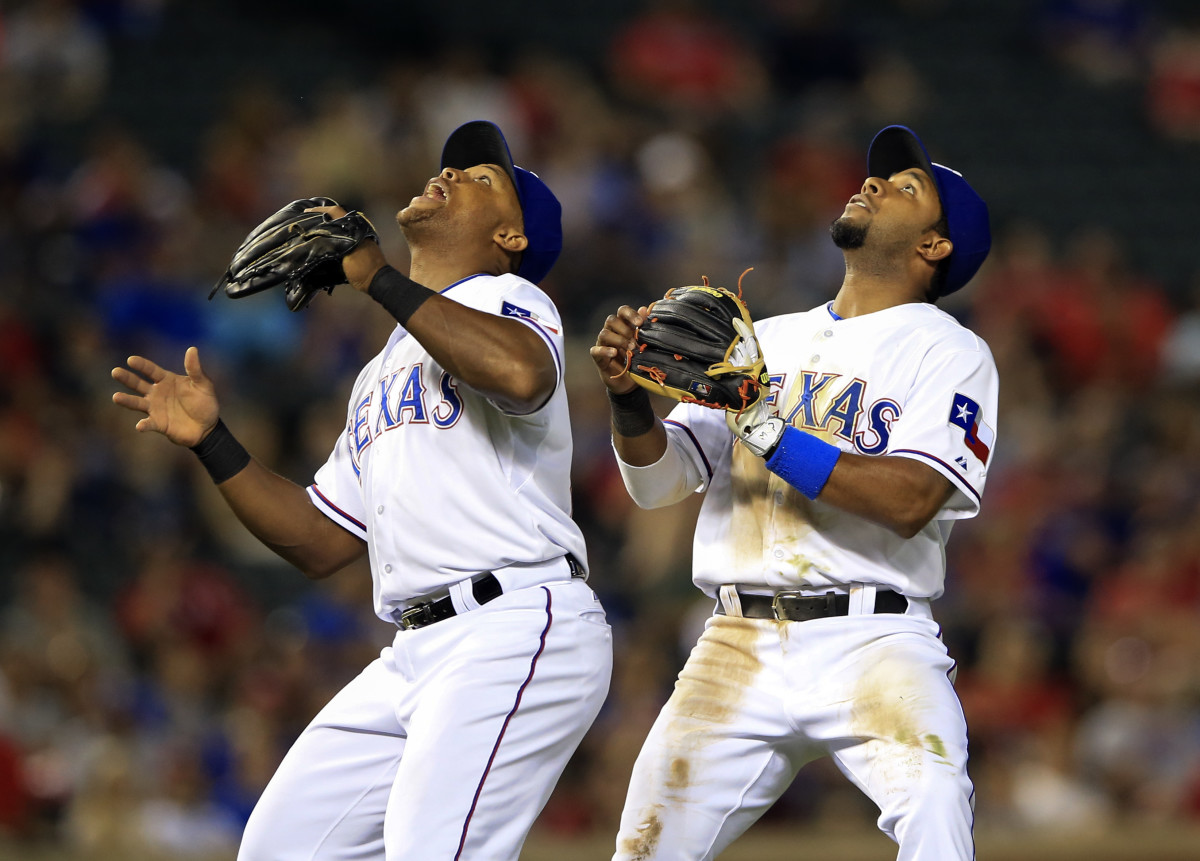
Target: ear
(510, 239)
(935, 248)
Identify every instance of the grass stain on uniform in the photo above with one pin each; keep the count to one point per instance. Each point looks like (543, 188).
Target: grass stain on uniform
(679, 773)
(708, 694)
(645, 844)
(722, 666)
(886, 711)
(749, 504)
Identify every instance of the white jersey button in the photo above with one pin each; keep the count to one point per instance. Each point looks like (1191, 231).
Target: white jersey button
(387, 568)
(828, 333)
(816, 357)
(778, 552)
(379, 510)
(779, 497)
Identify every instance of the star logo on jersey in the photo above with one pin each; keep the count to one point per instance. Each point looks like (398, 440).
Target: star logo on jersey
(508, 309)
(962, 462)
(967, 415)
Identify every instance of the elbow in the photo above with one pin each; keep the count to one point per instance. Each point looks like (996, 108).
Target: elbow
(529, 389)
(908, 529)
(909, 523)
(314, 572)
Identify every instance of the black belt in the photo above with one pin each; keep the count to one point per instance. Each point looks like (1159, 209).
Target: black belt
(792, 607)
(485, 587)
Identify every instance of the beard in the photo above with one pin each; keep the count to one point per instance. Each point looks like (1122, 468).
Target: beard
(847, 235)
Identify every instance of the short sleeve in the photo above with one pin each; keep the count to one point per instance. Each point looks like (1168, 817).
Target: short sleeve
(337, 492)
(528, 304)
(949, 422)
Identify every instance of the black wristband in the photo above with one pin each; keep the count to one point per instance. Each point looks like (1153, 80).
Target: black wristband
(399, 294)
(632, 414)
(221, 454)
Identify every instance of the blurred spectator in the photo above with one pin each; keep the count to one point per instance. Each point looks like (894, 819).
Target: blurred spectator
(678, 58)
(1173, 85)
(809, 176)
(1181, 344)
(810, 48)
(1102, 321)
(58, 58)
(1102, 41)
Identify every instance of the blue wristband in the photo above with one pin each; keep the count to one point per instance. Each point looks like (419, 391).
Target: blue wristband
(803, 461)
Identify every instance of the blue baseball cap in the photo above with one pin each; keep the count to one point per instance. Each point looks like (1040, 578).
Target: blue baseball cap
(897, 148)
(481, 142)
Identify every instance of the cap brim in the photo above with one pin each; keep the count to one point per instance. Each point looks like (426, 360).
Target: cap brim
(897, 148)
(479, 142)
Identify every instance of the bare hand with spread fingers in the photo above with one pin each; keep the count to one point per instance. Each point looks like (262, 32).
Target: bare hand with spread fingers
(183, 408)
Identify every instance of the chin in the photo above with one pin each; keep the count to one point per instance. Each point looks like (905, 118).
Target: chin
(846, 234)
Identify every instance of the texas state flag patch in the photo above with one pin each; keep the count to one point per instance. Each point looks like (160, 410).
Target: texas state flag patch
(508, 309)
(966, 415)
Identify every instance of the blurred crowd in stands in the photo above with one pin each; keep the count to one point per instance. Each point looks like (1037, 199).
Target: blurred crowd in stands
(155, 662)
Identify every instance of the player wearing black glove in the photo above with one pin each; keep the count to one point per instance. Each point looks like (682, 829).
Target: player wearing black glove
(300, 248)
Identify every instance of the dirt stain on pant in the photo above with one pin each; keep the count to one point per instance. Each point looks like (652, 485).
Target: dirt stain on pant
(888, 710)
(722, 666)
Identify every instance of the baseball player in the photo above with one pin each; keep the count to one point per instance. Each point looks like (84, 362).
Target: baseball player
(821, 536)
(452, 475)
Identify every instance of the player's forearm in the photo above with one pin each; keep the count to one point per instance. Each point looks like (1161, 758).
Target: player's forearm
(898, 493)
(279, 513)
(639, 437)
(644, 449)
(503, 360)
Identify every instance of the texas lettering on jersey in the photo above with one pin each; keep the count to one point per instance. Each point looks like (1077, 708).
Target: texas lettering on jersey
(831, 404)
(828, 403)
(399, 399)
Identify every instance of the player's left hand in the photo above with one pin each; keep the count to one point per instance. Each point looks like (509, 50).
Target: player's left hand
(301, 248)
(740, 422)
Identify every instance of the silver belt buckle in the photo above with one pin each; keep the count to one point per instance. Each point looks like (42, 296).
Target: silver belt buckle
(775, 603)
(415, 617)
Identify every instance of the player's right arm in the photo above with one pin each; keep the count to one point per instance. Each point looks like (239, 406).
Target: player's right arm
(609, 353)
(184, 409)
(654, 470)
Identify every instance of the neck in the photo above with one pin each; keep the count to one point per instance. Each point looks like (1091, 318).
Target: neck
(865, 290)
(437, 270)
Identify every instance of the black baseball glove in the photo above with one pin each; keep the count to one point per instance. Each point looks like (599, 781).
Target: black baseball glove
(699, 346)
(300, 250)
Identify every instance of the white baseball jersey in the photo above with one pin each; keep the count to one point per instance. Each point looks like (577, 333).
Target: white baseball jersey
(907, 381)
(757, 698)
(440, 483)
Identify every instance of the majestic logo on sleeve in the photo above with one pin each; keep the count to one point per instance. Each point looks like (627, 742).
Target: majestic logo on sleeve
(967, 415)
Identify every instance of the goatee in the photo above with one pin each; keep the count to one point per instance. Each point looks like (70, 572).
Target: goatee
(847, 235)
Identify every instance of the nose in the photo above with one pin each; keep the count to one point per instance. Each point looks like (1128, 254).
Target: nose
(452, 174)
(873, 185)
